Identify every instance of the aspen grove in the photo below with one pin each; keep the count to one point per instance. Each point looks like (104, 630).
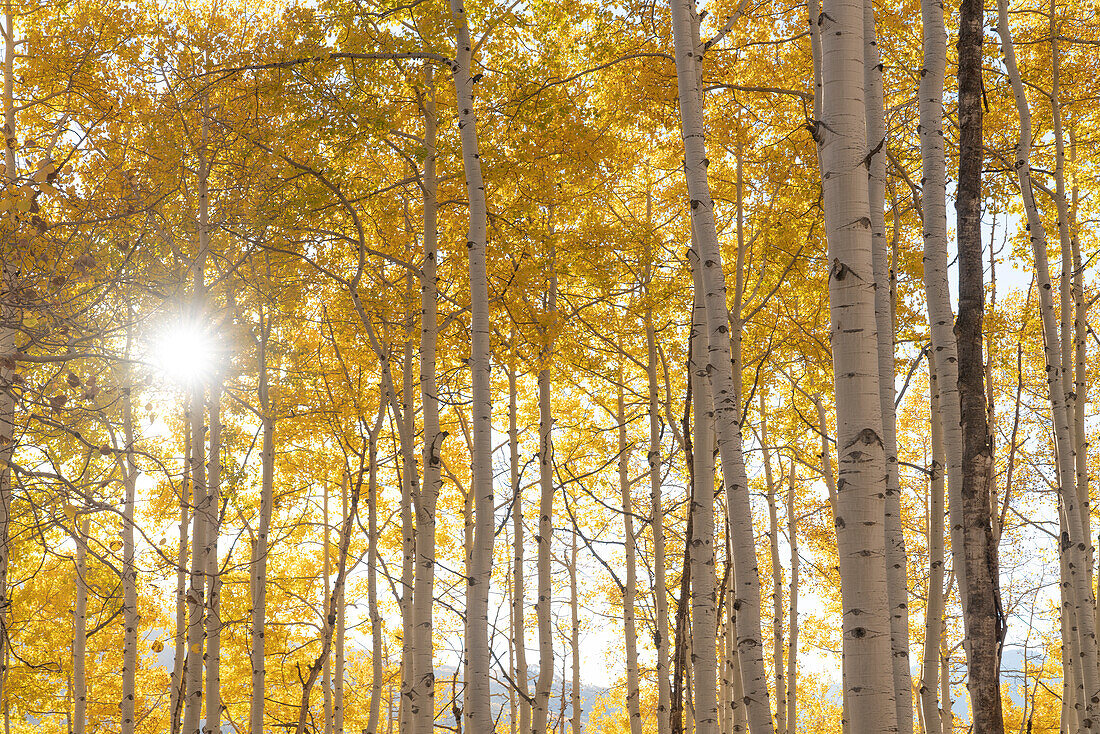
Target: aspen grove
(490, 366)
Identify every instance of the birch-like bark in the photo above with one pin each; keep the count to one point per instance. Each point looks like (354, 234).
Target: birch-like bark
(200, 549)
(792, 644)
(630, 634)
(518, 604)
(424, 592)
(329, 611)
(777, 577)
(719, 356)
(180, 636)
(933, 616)
(338, 644)
(130, 617)
(575, 638)
(478, 712)
(212, 659)
(937, 292)
(704, 600)
(897, 585)
(1074, 322)
(653, 458)
(372, 577)
(8, 317)
(80, 630)
(260, 547)
(841, 135)
(1076, 543)
(540, 709)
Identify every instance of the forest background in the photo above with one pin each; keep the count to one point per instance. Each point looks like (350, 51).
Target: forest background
(347, 370)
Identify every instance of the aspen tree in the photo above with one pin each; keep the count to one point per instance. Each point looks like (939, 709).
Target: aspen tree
(726, 405)
(704, 601)
(896, 581)
(933, 616)
(653, 458)
(478, 713)
(201, 515)
(1076, 543)
(424, 592)
(372, 573)
(518, 607)
(261, 546)
(792, 643)
(575, 638)
(80, 630)
(777, 576)
(630, 634)
(179, 660)
(9, 316)
(841, 136)
(212, 659)
(936, 289)
(128, 468)
(982, 613)
(341, 612)
(544, 683)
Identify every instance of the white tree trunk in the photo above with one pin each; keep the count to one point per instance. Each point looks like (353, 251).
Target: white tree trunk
(424, 592)
(861, 486)
(518, 604)
(896, 579)
(212, 659)
(937, 292)
(933, 616)
(372, 578)
(260, 548)
(575, 637)
(200, 549)
(80, 631)
(178, 664)
(792, 644)
(704, 600)
(130, 617)
(478, 712)
(777, 577)
(1076, 524)
(727, 409)
(630, 633)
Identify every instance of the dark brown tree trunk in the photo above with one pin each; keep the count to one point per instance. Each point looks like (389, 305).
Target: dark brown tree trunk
(983, 617)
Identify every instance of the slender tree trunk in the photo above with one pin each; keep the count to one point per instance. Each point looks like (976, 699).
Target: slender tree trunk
(792, 645)
(896, 580)
(518, 605)
(478, 713)
(982, 614)
(130, 617)
(200, 548)
(80, 631)
(329, 611)
(9, 315)
(933, 617)
(862, 485)
(777, 578)
(424, 593)
(417, 684)
(727, 408)
(574, 608)
(260, 548)
(372, 578)
(212, 725)
(704, 600)
(630, 634)
(660, 593)
(341, 608)
(180, 637)
(1076, 542)
(936, 288)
